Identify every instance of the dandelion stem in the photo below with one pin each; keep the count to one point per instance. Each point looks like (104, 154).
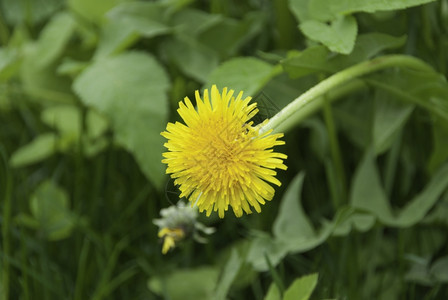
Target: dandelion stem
(281, 121)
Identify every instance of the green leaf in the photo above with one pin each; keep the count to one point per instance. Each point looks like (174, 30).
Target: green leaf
(359, 221)
(193, 22)
(355, 119)
(264, 245)
(293, 233)
(418, 272)
(29, 12)
(367, 46)
(9, 63)
(339, 36)
(316, 59)
(228, 35)
(390, 116)
(245, 74)
(37, 72)
(328, 10)
(195, 60)
(299, 9)
(130, 89)
(52, 40)
(71, 67)
(92, 10)
(439, 269)
(65, 118)
(228, 275)
(49, 206)
(291, 222)
(301, 288)
(186, 284)
(368, 194)
(128, 22)
(309, 61)
(273, 293)
(42, 147)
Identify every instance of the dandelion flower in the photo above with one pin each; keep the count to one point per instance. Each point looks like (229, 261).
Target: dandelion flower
(219, 158)
(179, 222)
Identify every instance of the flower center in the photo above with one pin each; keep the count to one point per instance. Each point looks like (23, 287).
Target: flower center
(221, 159)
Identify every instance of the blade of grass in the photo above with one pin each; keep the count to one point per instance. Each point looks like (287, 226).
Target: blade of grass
(103, 285)
(82, 264)
(6, 186)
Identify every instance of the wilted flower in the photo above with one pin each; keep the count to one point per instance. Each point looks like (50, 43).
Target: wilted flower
(179, 222)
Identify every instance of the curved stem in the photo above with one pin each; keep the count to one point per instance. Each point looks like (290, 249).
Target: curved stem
(337, 80)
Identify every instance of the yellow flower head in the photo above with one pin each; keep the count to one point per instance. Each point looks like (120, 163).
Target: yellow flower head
(218, 157)
(170, 237)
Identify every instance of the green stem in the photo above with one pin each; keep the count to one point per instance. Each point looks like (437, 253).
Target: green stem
(6, 222)
(4, 32)
(335, 154)
(337, 80)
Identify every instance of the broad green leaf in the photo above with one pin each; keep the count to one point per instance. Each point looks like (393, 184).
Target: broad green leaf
(328, 10)
(265, 245)
(193, 22)
(439, 269)
(299, 9)
(368, 194)
(130, 89)
(301, 288)
(45, 85)
(339, 36)
(358, 221)
(9, 63)
(71, 67)
(354, 118)
(419, 271)
(316, 59)
(96, 124)
(92, 10)
(28, 12)
(246, 74)
(128, 22)
(291, 222)
(52, 40)
(273, 293)
(186, 284)
(228, 35)
(367, 46)
(428, 90)
(49, 206)
(228, 275)
(420, 205)
(195, 60)
(115, 38)
(37, 72)
(42, 147)
(309, 61)
(293, 233)
(65, 118)
(390, 116)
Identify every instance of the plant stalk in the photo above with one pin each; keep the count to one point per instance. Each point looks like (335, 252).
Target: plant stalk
(296, 107)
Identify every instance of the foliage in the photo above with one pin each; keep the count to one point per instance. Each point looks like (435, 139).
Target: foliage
(86, 87)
